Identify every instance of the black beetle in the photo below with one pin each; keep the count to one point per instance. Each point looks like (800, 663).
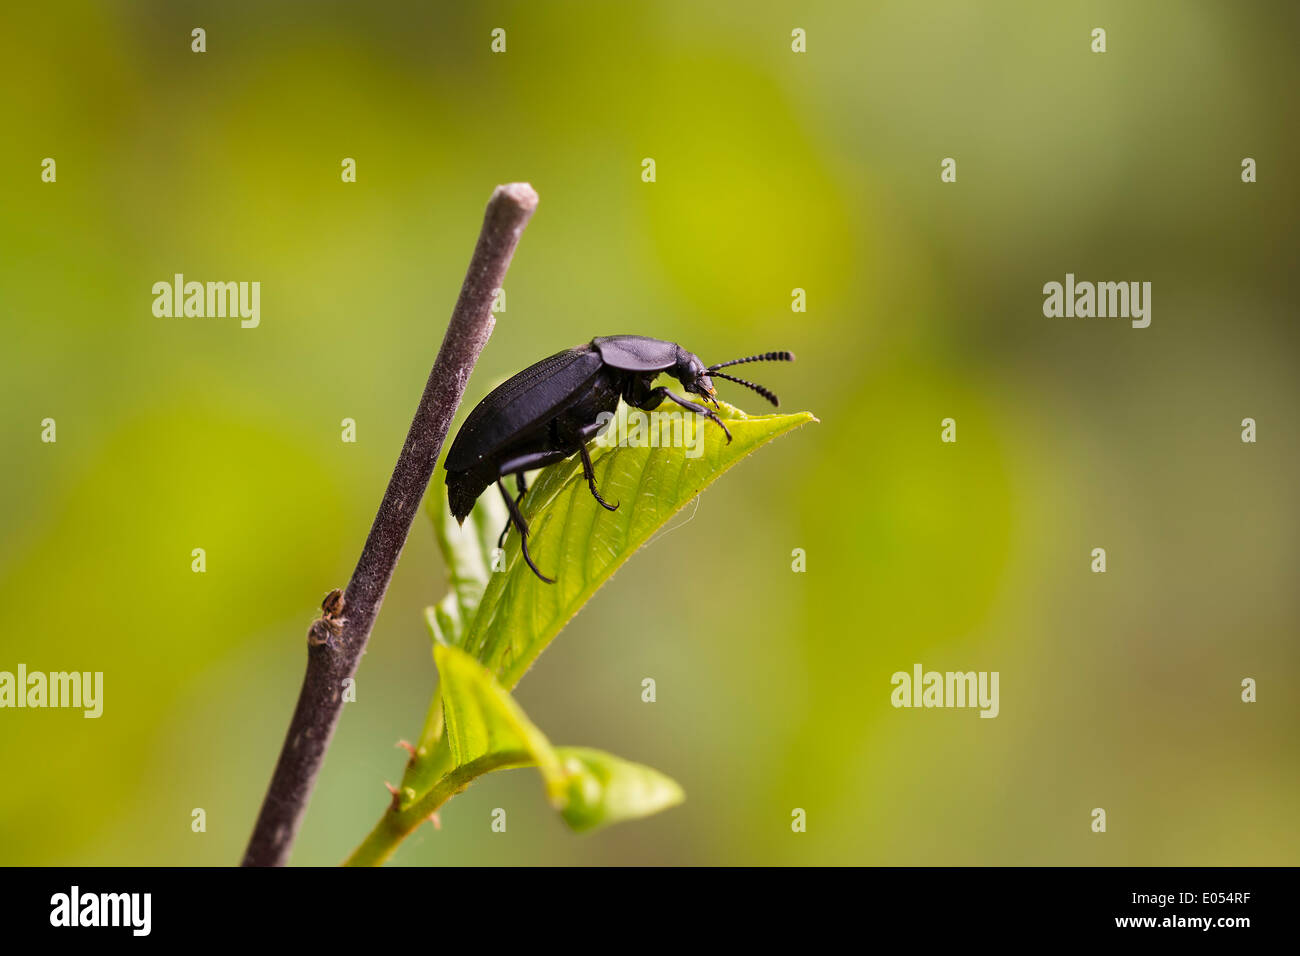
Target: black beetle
(552, 409)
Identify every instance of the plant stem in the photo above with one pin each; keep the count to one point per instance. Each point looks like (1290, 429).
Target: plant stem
(398, 823)
(320, 701)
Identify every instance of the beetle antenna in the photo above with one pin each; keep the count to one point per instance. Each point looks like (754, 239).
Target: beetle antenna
(765, 357)
(766, 393)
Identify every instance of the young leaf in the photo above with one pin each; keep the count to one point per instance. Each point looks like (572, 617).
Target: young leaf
(486, 728)
(483, 720)
(467, 550)
(581, 544)
(605, 789)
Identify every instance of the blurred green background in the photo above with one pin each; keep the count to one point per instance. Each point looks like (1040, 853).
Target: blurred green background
(775, 170)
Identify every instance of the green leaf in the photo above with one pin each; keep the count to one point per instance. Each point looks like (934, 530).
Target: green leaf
(444, 621)
(483, 720)
(581, 544)
(487, 729)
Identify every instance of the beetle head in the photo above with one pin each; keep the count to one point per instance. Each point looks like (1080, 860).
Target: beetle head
(698, 377)
(694, 376)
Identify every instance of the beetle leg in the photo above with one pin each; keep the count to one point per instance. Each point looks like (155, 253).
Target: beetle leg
(589, 473)
(659, 394)
(523, 488)
(518, 518)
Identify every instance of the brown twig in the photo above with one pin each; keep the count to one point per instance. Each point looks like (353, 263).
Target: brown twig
(332, 661)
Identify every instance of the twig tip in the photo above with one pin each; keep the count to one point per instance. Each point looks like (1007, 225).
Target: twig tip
(521, 194)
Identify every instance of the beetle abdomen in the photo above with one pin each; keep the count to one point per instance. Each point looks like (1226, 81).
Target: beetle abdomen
(463, 489)
(522, 402)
